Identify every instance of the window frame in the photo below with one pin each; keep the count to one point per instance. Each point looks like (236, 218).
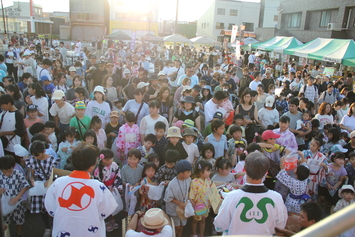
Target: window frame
(233, 14)
(290, 20)
(322, 19)
(221, 11)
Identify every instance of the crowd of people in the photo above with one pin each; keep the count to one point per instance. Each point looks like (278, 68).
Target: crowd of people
(156, 126)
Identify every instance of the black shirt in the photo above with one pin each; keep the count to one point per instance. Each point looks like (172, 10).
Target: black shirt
(179, 148)
(108, 130)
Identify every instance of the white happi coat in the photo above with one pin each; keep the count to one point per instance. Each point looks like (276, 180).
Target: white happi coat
(79, 205)
(256, 211)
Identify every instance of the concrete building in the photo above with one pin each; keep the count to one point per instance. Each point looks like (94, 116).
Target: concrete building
(17, 18)
(136, 16)
(223, 14)
(88, 18)
(310, 19)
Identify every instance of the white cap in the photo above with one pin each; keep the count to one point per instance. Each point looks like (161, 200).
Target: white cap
(269, 102)
(142, 84)
(126, 71)
(99, 89)
(72, 69)
(184, 88)
(58, 95)
(161, 73)
(344, 187)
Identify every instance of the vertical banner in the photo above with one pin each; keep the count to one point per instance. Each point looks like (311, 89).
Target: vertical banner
(234, 33)
(133, 41)
(237, 50)
(32, 10)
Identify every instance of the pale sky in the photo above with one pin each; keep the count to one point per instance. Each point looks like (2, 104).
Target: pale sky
(189, 10)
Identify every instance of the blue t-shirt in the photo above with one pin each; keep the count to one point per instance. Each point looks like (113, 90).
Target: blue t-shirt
(219, 146)
(2, 75)
(3, 67)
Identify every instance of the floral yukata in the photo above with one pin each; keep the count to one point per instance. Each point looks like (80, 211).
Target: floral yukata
(128, 138)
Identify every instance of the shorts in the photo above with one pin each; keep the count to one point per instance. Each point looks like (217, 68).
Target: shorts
(178, 222)
(199, 218)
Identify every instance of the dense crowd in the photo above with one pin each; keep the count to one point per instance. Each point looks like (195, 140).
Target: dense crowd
(167, 122)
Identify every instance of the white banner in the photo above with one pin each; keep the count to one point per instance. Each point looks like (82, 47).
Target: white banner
(234, 33)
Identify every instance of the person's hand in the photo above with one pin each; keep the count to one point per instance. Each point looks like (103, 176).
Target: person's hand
(72, 147)
(282, 163)
(112, 134)
(2, 190)
(330, 187)
(64, 149)
(166, 182)
(140, 214)
(323, 165)
(182, 205)
(28, 100)
(46, 183)
(39, 114)
(14, 200)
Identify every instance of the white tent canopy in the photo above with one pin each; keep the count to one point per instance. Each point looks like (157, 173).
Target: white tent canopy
(204, 40)
(176, 38)
(250, 40)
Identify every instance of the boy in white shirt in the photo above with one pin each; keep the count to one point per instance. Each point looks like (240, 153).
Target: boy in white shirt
(49, 130)
(191, 148)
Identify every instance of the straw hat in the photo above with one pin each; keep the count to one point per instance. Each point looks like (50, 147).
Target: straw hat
(154, 219)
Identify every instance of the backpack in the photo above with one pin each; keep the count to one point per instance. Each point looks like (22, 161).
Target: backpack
(193, 113)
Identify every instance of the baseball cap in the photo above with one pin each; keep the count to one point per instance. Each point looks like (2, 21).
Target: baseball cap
(182, 166)
(269, 134)
(218, 115)
(142, 84)
(72, 69)
(99, 89)
(44, 78)
(344, 187)
(269, 102)
(338, 147)
(80, 105)
(58, 95)
(32, 108)
(126, 71)
(161, 73)
(114, 114)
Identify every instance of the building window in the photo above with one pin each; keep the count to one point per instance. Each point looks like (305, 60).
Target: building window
(92, 16)
(233, 12)
(294, 20)
(248, 26)
(81, 17)
(221, 11)
(230, 26)
(219, 25)
(325, 18)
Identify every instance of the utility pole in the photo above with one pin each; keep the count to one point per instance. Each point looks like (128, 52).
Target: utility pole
(176, 17)
(3, 15)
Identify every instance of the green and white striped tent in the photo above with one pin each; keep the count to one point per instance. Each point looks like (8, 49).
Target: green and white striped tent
(331, 50)
(278, 44)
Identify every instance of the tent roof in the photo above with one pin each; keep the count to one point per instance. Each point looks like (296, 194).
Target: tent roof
(119, 35)
(204, 40)
(176, 38)
(277, 44)
(333, 50)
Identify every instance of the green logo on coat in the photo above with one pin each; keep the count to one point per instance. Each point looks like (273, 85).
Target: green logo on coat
(261, 205)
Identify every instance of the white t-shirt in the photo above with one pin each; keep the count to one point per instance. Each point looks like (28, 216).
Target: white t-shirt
(324, 119)
(191, 150)
(268, 117)
(102, 110)
(147, 124)
(43, 72)
(65, 113)
(348, 122)
(210, 109)
(42, 104)
(167, 231)
(133, 107)
(254, 85)
(240, 214)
